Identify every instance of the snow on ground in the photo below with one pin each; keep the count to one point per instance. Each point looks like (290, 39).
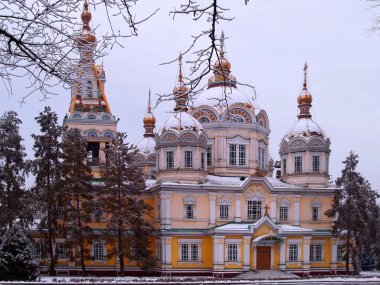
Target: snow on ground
(363, 278)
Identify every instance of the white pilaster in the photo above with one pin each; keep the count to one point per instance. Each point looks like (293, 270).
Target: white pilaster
(238, 207)
(282, 265)
(212, 200)
(297, 210)
(167, 253)
(306, 254)
(165, 211)
(218, 253)
(247, 252)
(273, 206)
(334, 243)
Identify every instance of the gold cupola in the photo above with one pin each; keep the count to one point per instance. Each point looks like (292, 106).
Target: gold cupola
(222, 69)
(86, 36)
(149, 119)
(181, 91)
(304, 99)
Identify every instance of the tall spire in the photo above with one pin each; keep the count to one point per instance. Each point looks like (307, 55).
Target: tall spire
(149, 119)
(305, 98)
(222, 45)
(86, 37)
(180, 91)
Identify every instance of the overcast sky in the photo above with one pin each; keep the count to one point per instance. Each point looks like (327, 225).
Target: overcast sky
(268, 43)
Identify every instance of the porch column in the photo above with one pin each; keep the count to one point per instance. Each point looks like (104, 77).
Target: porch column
(247, 252)
(165, 211)
(218, 254)
(306, 254)
(238, 208)
(297, 210)
(273, 206)
(282, 265)
(212, 200)
(167, 253)
(334, 249)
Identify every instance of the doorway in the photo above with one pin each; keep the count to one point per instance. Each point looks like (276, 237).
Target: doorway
(263, 257)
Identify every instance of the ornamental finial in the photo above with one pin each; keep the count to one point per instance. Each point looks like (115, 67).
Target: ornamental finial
(180, 76)
(222, 45)
(305, 75)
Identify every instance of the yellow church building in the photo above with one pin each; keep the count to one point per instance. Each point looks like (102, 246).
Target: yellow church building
(217, 207)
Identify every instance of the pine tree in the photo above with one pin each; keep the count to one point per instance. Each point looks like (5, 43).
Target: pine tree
(121, 199)
(13, 168)
(47, 168)
(16, 260)
(78, 194)
(353, 209)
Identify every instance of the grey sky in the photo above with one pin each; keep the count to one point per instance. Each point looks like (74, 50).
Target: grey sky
(268, 43)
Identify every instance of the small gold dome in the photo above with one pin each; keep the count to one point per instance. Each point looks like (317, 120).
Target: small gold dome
(222, 64)
(305, 97)
(149, 120)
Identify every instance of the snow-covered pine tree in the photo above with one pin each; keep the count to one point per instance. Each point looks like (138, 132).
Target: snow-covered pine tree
(128, 231)
(13, 167)
(77, 191)
(47, 168)
(16, 260)
(352, 208)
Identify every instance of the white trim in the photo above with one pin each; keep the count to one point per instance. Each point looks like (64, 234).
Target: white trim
(238, 140)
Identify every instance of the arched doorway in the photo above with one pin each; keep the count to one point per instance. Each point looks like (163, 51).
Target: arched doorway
(264, 248)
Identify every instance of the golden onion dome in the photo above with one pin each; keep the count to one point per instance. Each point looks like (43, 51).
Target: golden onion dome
(149, 120)
(222, 64)
(305, 97)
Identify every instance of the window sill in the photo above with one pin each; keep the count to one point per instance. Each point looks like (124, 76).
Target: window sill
(232, 262)
(199, 262)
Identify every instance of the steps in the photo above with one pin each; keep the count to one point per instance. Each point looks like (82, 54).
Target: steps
(266, 275)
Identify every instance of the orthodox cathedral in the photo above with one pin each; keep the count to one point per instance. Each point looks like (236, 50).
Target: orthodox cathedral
(217, 207)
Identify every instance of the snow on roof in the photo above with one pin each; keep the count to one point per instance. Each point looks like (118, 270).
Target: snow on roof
(149, 183)
(289, 228)
(235, 227)
(216, 97)
(225, 180)
(147, 145)
(304, 127)
(182, 121)
(279, 184)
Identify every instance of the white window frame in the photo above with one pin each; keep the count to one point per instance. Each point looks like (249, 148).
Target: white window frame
(224, 211)
(314, 256)
(96, 247)
(340, 252)
(36, 249)
(209, 155)
(313, 216)
(294, 254)
(284, 166)
(259, 208)
(298, 163)
(261, 157)
(283, 216)
(317, 167)
(61, 250)
(167, 159)
(229, 243)
(188, 158)
(191, 245)
(189, 202)
(158, 250)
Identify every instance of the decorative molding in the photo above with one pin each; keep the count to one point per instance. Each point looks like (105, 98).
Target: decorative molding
(190, 200)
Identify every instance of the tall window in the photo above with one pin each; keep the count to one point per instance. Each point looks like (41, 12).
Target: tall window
(209, 155)
(232, 252)
(98, 250)
(36, 250)
(339, 252)
(223, 212)
(189, 252)
(261, 158)
(188, 158)
(253, 210)
(315, 252)
(315, 163)
(284, 213)
(284, 167)
(202, 160)
(237, 154)
(189, 211)
(61, 250)
(315, 213)
(89, 89)
(293, 252)
(169, 159)
(158, 250)
(298, 164)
